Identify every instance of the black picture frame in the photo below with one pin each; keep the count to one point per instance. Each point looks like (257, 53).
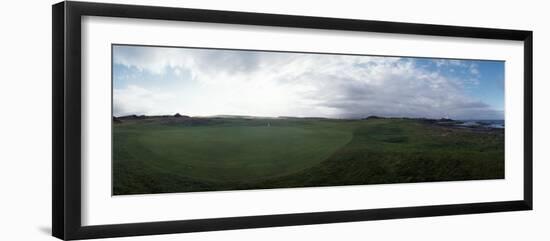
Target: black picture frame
(66, 128)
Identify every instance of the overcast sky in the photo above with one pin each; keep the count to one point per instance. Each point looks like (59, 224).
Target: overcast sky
(205, 82)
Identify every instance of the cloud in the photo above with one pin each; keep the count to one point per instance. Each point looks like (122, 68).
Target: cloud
(473, 69)
(137, 100)
(286, 84)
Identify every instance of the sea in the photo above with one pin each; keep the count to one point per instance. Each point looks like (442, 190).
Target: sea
(499, 124)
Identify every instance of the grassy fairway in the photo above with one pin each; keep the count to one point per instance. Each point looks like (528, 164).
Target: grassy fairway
(179, 155)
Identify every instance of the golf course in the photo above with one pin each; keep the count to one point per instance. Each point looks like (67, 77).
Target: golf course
(167, 154)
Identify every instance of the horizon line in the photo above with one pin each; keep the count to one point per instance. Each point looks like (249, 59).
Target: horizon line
(297, 117)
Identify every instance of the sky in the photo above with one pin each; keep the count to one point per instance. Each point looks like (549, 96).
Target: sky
(207, 82)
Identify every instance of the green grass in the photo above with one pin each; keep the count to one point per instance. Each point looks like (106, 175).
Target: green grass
(230, 154)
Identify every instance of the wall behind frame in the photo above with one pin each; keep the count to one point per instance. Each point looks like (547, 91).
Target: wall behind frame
(25, 122)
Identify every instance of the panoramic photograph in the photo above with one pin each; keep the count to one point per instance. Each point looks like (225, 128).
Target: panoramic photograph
(203, 119)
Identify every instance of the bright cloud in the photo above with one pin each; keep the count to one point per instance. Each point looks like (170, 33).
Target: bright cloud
(153, 80)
